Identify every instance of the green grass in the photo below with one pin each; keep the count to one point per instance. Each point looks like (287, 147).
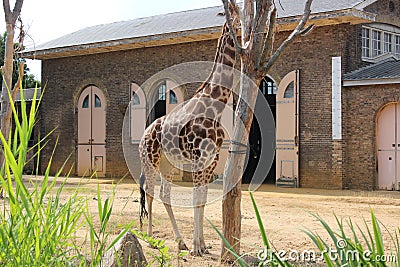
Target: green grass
(350, 245)
(269, 257)
(38, 226)
(358, 246)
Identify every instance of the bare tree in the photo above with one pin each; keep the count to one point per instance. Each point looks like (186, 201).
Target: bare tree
(257, 56)
(7, 69)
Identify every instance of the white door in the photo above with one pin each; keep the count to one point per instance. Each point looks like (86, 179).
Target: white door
(388, 143)
(138, 113)
(287, 144)
(91, 132)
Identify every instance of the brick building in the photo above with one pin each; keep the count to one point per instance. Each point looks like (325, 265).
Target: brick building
(334, 93)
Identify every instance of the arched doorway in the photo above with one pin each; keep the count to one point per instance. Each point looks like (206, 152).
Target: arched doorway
(269, 89)
(388, 144)
(91, 152)
(166, 96)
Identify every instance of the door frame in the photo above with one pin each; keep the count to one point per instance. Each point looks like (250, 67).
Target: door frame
(79, 98)
(288, 143)
(396, 182)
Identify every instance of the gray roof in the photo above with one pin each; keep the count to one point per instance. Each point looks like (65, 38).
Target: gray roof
(389, 69)
(185, 21)
(155, 25)
(296, 7)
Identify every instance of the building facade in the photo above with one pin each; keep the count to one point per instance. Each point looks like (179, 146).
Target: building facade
(334, 93)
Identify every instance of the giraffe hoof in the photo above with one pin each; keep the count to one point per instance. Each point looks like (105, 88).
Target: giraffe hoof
(182, 245)
(196, 253)
(199, 252)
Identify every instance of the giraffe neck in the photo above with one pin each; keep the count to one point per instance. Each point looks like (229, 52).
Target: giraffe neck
(219, 84)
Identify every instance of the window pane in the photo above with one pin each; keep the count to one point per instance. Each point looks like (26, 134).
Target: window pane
(376, 43)
(397, 45)
(162, 91)
(172, 97)
(97, 102)
(135, 99)
(85, 103)
(289, 92)
(365, 42)
(387, 42)
(268, 87)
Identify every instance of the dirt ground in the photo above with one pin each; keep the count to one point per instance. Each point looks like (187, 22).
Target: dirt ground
(285, 213)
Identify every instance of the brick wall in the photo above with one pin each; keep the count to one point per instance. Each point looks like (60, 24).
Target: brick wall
(112, 72)
(363, 105)
(388, 11)
(321, 159)
(312, 54)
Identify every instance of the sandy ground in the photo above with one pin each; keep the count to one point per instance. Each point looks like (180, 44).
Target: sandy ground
(285, 213)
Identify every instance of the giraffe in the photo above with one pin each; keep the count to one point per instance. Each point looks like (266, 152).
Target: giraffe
(190, 134)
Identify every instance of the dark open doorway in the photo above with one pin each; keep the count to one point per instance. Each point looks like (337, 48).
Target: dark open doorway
(268, 89)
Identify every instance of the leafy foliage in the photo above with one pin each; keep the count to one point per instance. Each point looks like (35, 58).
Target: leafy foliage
(37, 226)
(28, 80)
(357, 248)
(360, 247)
(163, 257)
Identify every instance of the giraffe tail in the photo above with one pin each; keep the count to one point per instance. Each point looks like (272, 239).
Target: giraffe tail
(143, 211)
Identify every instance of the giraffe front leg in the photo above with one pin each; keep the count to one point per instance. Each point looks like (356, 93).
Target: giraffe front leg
(199, 202)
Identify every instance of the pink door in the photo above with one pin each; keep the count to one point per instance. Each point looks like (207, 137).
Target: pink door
(388, 143)
(287, 128)
(91, 132)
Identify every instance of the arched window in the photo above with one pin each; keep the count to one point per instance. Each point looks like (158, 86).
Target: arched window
(97, 101)
(135, 99)
(289, 91)
(85, 103)
(172, 97)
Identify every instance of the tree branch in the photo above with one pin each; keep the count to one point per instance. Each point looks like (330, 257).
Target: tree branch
(269, 39)
(296, 32)
(247, 22)
(17, 9)
(228, 17)
(7, 11)
(262, 31)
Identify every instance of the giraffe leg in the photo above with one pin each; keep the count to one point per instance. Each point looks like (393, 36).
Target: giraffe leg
(150, 216)
(199, 202)
(150, 197)
(165, 196)
(150, 183)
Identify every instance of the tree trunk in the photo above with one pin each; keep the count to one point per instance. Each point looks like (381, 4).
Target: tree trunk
(258, 30)
(231, 213)
(7, 69)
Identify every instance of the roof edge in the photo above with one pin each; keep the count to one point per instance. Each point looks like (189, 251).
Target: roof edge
(143, 41)
(380, 81)
(287, 23)
(364, 4)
